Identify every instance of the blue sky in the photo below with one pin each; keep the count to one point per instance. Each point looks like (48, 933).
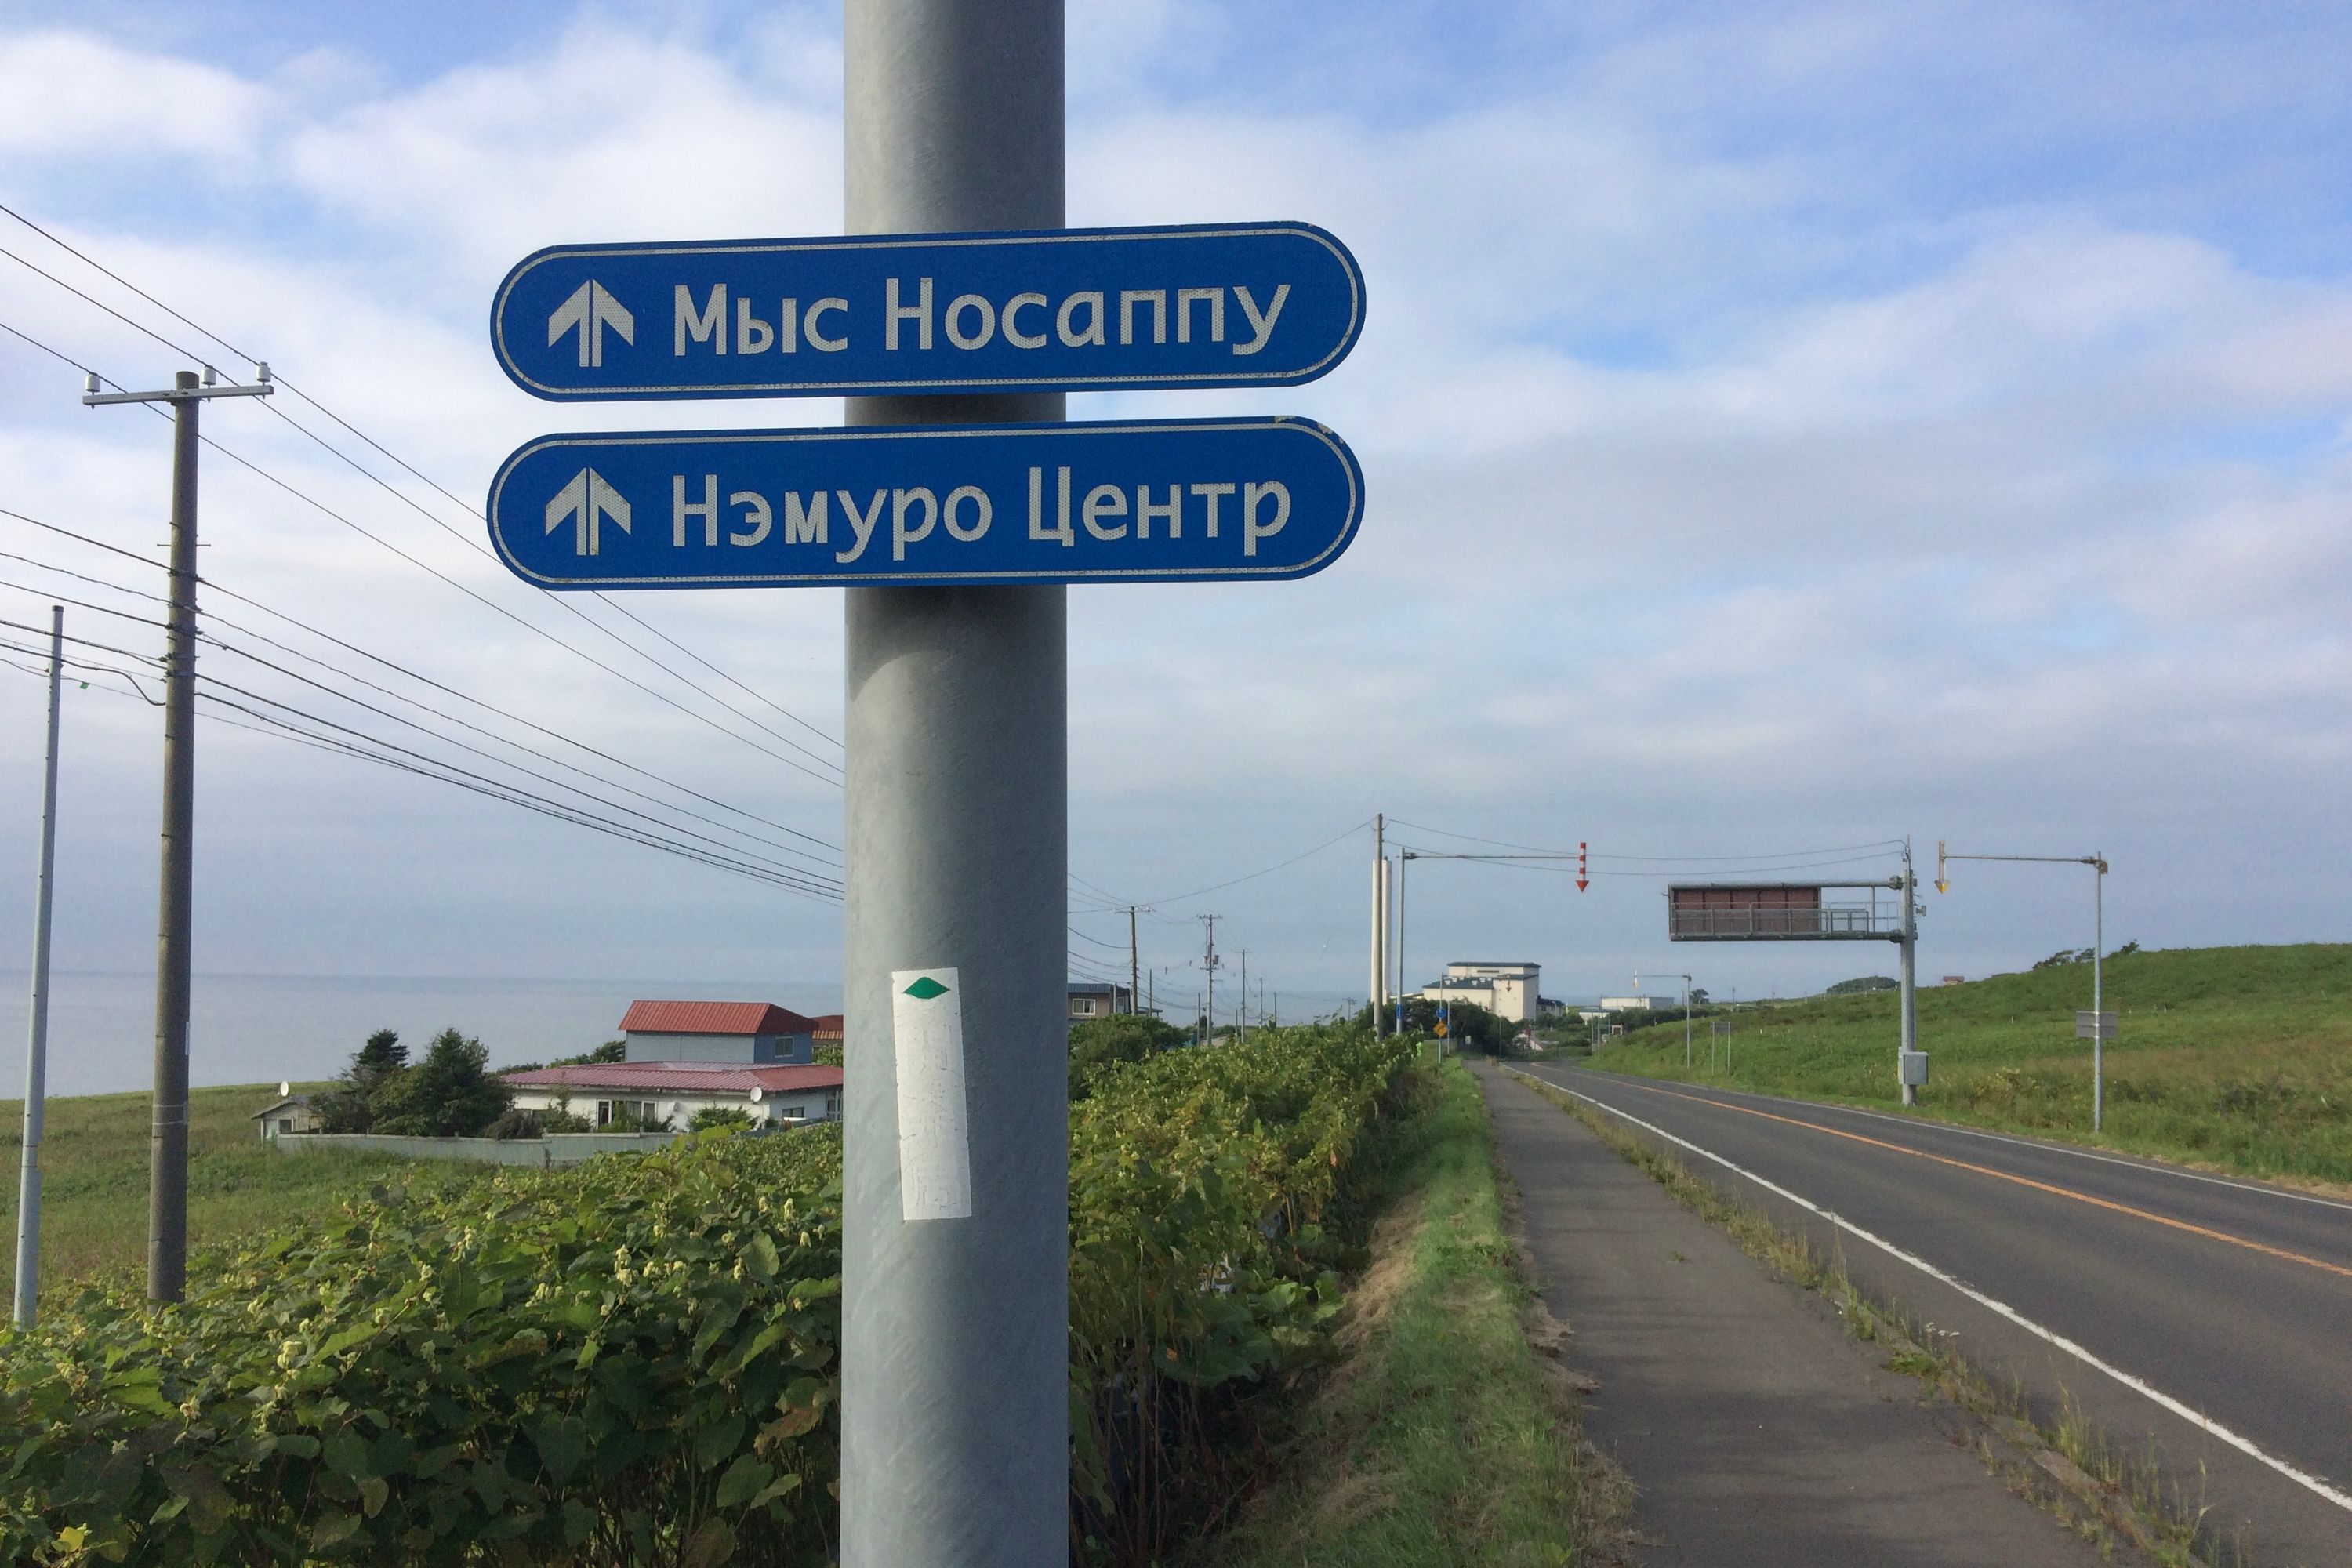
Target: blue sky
(1786, 426)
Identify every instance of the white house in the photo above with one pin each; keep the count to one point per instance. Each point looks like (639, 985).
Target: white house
(648, 1094)
(1509, 991)
(287, 1113)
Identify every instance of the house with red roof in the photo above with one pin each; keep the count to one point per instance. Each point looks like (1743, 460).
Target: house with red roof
(686, 1057)
(749, 1034)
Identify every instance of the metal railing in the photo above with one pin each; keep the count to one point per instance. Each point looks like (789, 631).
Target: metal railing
(1819, 922)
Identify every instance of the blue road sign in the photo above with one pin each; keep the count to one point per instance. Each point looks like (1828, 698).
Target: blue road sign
(1062, 310)
(1127, 501)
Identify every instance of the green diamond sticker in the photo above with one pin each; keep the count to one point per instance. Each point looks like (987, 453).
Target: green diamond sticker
(924, 989)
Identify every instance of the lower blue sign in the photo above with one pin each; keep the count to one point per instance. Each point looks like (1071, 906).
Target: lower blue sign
(1140, 501)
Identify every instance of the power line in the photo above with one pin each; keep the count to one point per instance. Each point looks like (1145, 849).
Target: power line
(392, 457)
(557, 601)
(540, 631)
(480, 784)
(424, 681)
(449, 773)
(446, 740)
(1268, 871)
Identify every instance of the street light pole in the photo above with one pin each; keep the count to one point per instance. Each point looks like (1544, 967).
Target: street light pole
(1687, 1023)
(1402, 855)
(2098, 864)
(1910, 999)
(2098, 1000)
(167, 1135)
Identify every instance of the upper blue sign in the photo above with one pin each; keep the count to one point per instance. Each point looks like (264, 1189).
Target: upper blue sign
(1133, 501)
(1061, 310)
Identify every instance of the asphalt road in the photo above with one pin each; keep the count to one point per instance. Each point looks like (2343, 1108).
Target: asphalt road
(2208, 1317)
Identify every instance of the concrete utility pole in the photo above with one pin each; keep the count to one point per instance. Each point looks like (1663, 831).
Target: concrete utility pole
(1134, 964)
(37, 1052)
(1241, 1013)
(955, 1358)
(167, 1182)
(1380, 917)
(1209, 961)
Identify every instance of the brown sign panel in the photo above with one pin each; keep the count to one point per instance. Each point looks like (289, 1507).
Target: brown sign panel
(1743, 909)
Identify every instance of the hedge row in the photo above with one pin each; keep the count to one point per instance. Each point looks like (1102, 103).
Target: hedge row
(635, 1362)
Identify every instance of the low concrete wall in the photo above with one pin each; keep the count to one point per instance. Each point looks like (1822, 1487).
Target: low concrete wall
(554, 1149)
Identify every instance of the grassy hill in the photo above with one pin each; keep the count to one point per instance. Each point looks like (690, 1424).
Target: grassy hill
(94, 1162)
(2234, 1057)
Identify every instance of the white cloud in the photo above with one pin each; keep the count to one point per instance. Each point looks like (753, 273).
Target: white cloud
(72, 94)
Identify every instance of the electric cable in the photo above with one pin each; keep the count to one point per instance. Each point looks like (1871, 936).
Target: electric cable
(372, 442)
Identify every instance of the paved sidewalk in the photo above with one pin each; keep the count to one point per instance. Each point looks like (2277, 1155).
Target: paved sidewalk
(1757, 1432)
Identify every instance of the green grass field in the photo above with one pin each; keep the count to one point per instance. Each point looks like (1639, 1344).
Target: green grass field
(1442, 1439)
(2238, 1057)
(94, 1178)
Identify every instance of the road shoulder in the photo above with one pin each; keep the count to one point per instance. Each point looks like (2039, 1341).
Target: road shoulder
(1756, 1429)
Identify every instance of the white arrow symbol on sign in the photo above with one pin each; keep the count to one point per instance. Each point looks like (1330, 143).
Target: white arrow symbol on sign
(589, 497)
(592, 310)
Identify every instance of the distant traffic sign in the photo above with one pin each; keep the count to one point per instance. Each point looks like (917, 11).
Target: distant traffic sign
(2090, 1026)
(1071, 310)
(1134, 501)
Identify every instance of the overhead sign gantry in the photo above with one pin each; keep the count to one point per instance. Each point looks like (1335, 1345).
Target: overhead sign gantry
(1791, 911)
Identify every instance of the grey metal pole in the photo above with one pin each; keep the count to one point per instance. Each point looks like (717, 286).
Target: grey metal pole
(167, 1183)
(955, 1366)
(1402, 857)
(1910, 969)
(37, 1052)
(1687, 1028)
(2098, 991)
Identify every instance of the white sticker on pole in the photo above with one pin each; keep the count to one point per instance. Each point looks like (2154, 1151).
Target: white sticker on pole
(934, 1141)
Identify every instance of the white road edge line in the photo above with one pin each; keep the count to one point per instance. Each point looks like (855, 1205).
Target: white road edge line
(2203, 1423)
(2044, 1146)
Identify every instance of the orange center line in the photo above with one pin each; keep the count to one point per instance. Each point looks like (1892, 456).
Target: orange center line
(2211, 1235)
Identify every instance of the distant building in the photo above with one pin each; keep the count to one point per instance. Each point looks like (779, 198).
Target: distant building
(646, 1093)
(287, 1113)
(1639, 1004)
(1509, 991)
(748, 1034)
(829, 1030)
(1956, 980)
(1099, 999)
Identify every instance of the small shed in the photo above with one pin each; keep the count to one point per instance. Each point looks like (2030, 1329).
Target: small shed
(287, 1113)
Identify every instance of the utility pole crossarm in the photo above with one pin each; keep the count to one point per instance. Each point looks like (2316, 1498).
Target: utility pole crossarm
(262, 387)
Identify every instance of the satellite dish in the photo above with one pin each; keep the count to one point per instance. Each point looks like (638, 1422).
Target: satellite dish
(758, 1094)
(284, 1087)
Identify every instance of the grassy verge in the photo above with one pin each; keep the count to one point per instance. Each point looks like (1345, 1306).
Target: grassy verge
(94, 1164)
(2239, 1059)
(1443, 1436)
(2106, 1494)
